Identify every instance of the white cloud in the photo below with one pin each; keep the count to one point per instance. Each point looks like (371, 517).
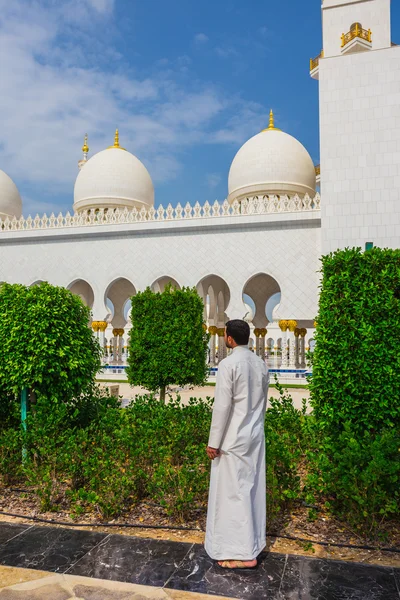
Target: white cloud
(102, 6)
(226, 51)
(201, 38)
(213, 180)
(58, 82)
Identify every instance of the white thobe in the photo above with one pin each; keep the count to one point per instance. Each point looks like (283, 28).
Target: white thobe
(236, 518)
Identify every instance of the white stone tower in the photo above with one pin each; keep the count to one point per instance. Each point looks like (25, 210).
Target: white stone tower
(359, 91)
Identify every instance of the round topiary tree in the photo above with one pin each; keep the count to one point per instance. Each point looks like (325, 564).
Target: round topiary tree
(168, 342)
(46, 344)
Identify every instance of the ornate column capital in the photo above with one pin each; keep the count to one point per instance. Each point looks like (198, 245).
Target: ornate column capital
(257, 332)
(292, 325)
(263, 332)
(213, 330)
(221, 331)
(284, 325)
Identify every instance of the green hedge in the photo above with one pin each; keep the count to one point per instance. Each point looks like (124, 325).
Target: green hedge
(356, 362)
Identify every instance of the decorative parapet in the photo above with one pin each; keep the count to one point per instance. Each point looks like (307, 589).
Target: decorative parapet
(356, 32)
(252, 206)
(314, 62)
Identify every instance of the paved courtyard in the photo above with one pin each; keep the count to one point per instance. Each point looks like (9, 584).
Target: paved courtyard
(48, 563)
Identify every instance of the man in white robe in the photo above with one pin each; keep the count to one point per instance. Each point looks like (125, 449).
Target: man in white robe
(236, 518)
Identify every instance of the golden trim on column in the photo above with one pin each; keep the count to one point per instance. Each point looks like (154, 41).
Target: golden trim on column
(292, 325)
(257, 332)
(213, 330)
(283, 325)
(263, 332)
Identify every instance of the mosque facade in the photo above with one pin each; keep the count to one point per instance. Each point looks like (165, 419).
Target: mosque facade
(264, 242)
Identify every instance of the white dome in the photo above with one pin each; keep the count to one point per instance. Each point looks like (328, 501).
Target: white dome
(271, 162)
(10, 200)
(113, 178)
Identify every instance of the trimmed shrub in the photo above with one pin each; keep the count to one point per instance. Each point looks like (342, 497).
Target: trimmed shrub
(167, 342)
(359, 477)
(46, 344)
(356, 362)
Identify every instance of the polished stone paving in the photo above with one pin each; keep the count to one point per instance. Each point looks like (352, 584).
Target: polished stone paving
(177, 566)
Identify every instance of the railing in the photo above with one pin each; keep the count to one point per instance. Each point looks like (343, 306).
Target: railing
(262, 205)
(314, 62)
(356, 31)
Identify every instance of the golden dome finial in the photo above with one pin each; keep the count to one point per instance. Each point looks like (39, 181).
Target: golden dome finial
(271, 120)
(85, 147)
(271, 126)
(116, 141)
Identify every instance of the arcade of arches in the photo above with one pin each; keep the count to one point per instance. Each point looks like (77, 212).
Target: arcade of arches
(282, 343)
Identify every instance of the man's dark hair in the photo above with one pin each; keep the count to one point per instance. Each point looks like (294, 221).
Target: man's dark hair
(239, 330)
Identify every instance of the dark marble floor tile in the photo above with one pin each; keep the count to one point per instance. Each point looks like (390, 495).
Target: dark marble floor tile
(10, 530)
(313, 579)
(397, 579)
(198, 573)
(133, 560)
(48, 548)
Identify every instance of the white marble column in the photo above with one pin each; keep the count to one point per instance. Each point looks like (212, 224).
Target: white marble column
(276, 357)
(213, 332)
(284, 326)
(303, 333)
(292, 348)
(257, 335)
(263, 333)
(221, 344)
(297, 347)
(120, 346)
(102, 339)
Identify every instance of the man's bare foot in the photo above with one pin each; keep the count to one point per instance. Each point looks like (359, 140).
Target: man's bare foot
(238, 564)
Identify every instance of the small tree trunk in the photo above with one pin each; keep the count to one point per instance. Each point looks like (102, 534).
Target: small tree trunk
(162, 394)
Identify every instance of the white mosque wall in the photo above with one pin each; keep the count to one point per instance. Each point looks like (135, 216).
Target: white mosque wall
(235, 248)
(360, 149)
(339, 15)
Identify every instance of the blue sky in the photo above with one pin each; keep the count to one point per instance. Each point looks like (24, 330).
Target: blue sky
(186, 82)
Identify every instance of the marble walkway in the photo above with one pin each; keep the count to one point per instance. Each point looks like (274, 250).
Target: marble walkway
(49, 563)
